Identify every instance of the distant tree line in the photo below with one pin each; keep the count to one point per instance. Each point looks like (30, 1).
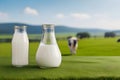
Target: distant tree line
(9, 40)
(109, 34)
(5, 40)
(82, 35)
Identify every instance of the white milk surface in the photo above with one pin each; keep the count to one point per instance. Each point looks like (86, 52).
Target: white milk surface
(20, 46)
(48, 56)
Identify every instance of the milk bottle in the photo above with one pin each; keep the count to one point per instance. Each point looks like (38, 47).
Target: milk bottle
(20, 47)
(48, 53)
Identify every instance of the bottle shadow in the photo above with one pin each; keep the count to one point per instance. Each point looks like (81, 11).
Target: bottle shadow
(28, 67)
(66, 54)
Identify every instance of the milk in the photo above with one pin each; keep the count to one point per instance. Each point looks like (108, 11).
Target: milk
(48, 56)
(20, 46)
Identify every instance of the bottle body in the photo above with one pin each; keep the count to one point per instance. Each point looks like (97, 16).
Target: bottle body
(48, 56)
(48, 53)
(20, 48)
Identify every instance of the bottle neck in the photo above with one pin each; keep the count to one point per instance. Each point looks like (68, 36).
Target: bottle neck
(48, 36)
(20, 29)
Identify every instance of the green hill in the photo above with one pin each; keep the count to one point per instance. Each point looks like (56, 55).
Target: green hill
(8, 28)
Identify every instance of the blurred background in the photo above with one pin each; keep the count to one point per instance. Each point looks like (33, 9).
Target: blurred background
(95, 22)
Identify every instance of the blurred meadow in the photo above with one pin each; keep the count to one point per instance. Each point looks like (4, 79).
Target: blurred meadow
(96, 58)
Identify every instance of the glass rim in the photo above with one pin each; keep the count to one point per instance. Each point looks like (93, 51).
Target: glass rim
(20, 27)
(48, 25)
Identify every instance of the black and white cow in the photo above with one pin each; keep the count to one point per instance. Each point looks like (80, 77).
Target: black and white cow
(73, 44)
(118, 40)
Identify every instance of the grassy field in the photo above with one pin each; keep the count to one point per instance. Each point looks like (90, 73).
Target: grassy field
(38, 36)
(72, 67)
(96, 58)
(86, 47)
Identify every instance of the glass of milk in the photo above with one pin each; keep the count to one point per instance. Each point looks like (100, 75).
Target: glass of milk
(20, 47)
(48, 53)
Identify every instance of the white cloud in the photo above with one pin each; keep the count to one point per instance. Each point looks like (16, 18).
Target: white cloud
(101, 23)
(80, 16)
(60, 16)
(3, 15)
(31, 11)
(109, 24)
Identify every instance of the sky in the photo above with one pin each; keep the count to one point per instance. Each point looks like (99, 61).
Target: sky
(101, 14)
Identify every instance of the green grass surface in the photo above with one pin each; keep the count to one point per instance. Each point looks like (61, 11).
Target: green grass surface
(86, 47)
(4, 36)
(96, 58)
(72, 67)
(94, 47)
